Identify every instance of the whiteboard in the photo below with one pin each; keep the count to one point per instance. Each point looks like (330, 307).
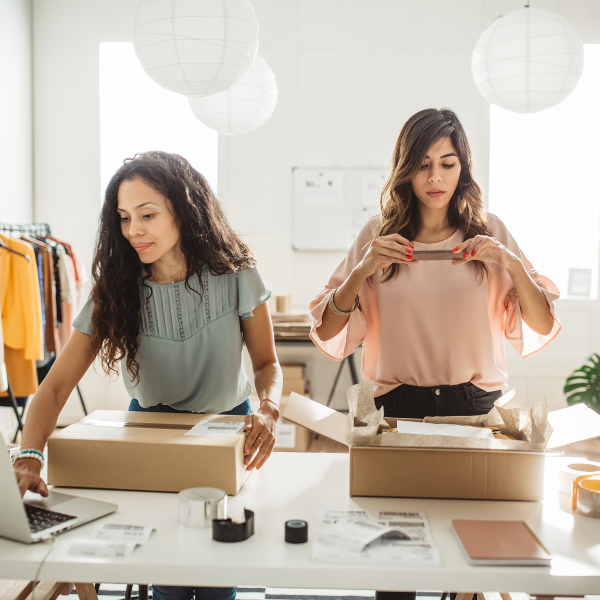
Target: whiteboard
(330, 206)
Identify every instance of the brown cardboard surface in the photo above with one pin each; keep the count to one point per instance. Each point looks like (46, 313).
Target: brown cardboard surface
(292, 371)
(446, 473)
(293, 385)
(145, 451)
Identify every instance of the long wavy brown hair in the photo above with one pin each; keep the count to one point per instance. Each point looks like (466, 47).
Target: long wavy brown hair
(206, 237)
(399, 205)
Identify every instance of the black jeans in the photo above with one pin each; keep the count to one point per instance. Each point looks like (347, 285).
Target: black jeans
(413, 402)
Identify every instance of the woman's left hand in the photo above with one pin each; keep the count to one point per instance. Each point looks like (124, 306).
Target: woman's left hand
(260, 438)
(486, 249)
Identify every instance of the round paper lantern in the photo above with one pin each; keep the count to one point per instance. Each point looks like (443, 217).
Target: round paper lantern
(528, 60)
(244, 106)
(195, 47)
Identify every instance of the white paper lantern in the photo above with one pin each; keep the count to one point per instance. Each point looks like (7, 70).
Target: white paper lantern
(528, 60)
(243, 107)
(195, 47)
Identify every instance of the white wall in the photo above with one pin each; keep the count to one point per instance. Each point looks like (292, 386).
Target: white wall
(16, 133)
(350, 72)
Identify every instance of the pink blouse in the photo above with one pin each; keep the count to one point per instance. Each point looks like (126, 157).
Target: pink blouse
(436, 324)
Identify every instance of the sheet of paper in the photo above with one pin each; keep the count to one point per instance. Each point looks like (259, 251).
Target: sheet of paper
(358, 536)
(417, 428)
(216, 428)
(87, 548)
(121, 533)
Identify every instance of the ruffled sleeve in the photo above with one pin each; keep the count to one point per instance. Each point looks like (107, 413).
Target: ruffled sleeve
(355, 330)
(83, 321)
(252, 291)
(521, 337)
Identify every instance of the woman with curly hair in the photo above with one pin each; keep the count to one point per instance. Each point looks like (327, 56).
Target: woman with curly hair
(433, 331)
(175, 295)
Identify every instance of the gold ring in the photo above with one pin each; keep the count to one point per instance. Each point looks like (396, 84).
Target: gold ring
(260, 441)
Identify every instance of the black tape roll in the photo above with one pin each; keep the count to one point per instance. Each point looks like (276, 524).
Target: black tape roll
(296, 531)
(226, 530)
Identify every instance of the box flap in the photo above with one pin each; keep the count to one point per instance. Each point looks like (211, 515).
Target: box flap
(317, 417)
(573, 424)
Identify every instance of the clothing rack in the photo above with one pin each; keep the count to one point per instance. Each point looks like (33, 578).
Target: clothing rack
(41, 230)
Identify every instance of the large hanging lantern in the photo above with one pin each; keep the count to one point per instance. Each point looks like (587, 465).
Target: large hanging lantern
(195, 47)
(243, 107)
(528, 60)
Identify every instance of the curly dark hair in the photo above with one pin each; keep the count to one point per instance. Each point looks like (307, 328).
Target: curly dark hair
(206, 237)
(399, 205)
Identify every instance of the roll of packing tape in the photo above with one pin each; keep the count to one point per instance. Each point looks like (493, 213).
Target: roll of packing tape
(226, 530)
(569, 472)
(199, 506)
(296, 531)
(588, 497)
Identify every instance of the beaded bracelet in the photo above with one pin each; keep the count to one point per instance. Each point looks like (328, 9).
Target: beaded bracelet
(30, 453)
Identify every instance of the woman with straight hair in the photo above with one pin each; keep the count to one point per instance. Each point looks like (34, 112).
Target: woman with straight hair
(433, 331)
(175, 295)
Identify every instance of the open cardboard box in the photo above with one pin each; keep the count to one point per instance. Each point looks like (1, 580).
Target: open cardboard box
(407, 466)
(146, 451)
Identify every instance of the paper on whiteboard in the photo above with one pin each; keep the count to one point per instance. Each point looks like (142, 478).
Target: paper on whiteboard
(216, 428)
(371, 189)
(365, 537)
(285, 436)
(322, 186)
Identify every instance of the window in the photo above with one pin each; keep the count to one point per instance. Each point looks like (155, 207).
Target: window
(137, 115)
(544, 183)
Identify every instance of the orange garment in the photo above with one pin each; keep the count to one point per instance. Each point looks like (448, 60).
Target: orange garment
(21, 310)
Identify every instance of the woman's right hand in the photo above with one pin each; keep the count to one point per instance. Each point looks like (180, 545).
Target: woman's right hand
(27, 471)
(384, 251)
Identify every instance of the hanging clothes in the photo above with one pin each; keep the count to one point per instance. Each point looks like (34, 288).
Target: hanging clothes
(21, 312)
(48, 291)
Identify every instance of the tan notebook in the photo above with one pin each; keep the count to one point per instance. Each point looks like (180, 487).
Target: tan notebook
(500, 543)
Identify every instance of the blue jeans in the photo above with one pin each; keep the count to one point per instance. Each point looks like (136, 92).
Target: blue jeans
(169, 592)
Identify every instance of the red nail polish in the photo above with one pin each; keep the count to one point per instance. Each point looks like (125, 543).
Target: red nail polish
(473, 253)
(411, 244)
(466, 255)
(408, 251)
(455, 249)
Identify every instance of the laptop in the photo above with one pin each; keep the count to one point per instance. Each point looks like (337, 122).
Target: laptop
(35, 518)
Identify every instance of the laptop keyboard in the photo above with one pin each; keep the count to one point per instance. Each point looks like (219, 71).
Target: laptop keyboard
(40, 518)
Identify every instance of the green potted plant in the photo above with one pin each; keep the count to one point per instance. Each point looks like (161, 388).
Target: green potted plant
(583, 385)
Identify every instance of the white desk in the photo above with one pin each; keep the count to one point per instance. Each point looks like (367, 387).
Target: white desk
(294, 486)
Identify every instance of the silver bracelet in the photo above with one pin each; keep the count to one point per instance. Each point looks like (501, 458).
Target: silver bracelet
(336, 310)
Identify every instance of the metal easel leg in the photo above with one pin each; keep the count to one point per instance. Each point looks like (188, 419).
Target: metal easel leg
(85, 412)
(15, 407)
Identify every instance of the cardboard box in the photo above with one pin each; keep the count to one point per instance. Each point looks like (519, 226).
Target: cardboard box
(146, 451)
(292, 371)
(293, 385)
(382, 467)
(289, 436)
